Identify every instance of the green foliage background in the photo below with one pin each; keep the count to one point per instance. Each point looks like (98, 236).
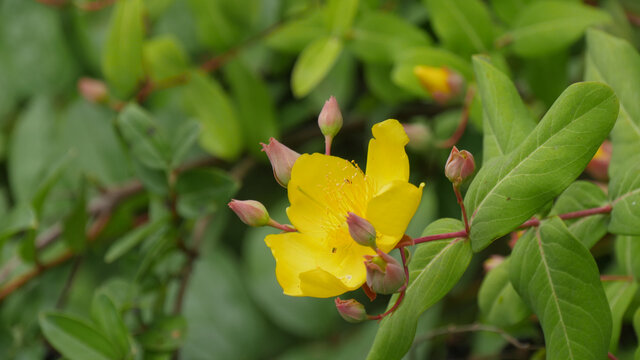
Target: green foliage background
(115, 238)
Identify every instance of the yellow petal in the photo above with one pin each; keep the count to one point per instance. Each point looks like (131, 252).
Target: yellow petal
(387, 161)
(391, 210)
(320, 283)
(322, 190)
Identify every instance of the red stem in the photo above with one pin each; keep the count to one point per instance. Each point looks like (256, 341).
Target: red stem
(464, 120)
(327, 145)
(611, 356)
(277, 225)
(572, 215)
(402, 291)
(451, 235)
(456, 190)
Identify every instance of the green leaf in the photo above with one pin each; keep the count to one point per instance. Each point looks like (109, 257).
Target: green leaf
(548, 76)
(145, 137)
(51, 177)
(499, 303)
(636, 327)
(294, 35)
(378, 79)
(164, 58)
(626, 248)
(620, 294)
(507, 120)
(21, 217)
(378, 37)
(507, 191)
(404, 77)
(256, 109)
(508, 10)
(132, 239)
(75, 224)
(615, 61)
(435, 268)
(185, 137)
(314, 63)
(557, 277)
(624, 191)
(545, 27)
(221, 133)
(108, 319)
(122, 54)
(165, 334)
(75, 339)
(463, 26)
(202, 191)
(583, 195)
(219, 25)
(339, 15)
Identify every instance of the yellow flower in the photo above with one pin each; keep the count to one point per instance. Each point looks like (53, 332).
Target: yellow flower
(321, 259)
(440, 82)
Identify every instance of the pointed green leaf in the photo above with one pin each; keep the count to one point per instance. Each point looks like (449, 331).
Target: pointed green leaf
(583, 195)
(339, 15)
(314, 63)
(463, 26)
(108, 319)
(122, 54)
(148, 143)
(507, 191)
(545, 27)
(508, 121)
(75, 339)
(499, 303)
(205, 99)
(202, 191)
(434, 269)
(626, 249)
(294, 35)
(620, 294)
(379, 36)
(132, 239)
(559, 280)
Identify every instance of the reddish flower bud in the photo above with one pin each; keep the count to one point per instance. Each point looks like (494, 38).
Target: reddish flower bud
(351, 310)
(330, 118)
(460, 165)
(93, 90)
(442, 83)
(599, 164)
(419, 135)
(282, 159)
(361, 230)
(251, 212)
(384, 274)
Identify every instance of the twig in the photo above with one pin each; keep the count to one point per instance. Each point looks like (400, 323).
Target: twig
(69, 283)
(616, 278)
(633, 18)
(457, 329)
(464, 120)
(191, 254)
(571, 215)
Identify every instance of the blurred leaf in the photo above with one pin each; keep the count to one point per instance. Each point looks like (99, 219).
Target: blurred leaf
(122, 56)
(8, 91)
(21, 217)
(155, 248)
(435, 268)
(548, 75)
(620, 26)
(619, 294)
(378, 80)
(507, 120)
(378, 37)
(558, 278)
(179, 21)
(313, 64)
(404, 77)
(108, 319)
(624, 192)
(256, 109)
(463, 26)
(509, 190)
(75, 223)
(75, 339)
(156, 7)
(221, 133)
(202, 191)
(218, 27)
(164, 58)
(133, 238)
(49, 180)
(340, 82)
(625, 249)
(165, 334)
(544, 27)
(146, 139)
(153, 180)
(183, 141)
(339, 15)
(294, 35)
(499, 303)
(508, 10)
(579, 196)
(39, 60)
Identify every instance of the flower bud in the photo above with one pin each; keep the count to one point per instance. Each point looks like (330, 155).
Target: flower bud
(251, 212)
(330, 118)
(93, 90)
(282, 159)
(599, 164)
(419, 135)
(384, 274)
(442, 83)
(460, 166)
(351, 310)
(361, 230)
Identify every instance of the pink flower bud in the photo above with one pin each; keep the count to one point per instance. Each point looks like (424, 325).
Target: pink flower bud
(330, 118)
(282, 159)
(93, 90)
(361, 230)
(384, 274)
(351, 310)
(460, 165)
(419, 135)
(599, 164)
(251, 212)
(442, 83)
